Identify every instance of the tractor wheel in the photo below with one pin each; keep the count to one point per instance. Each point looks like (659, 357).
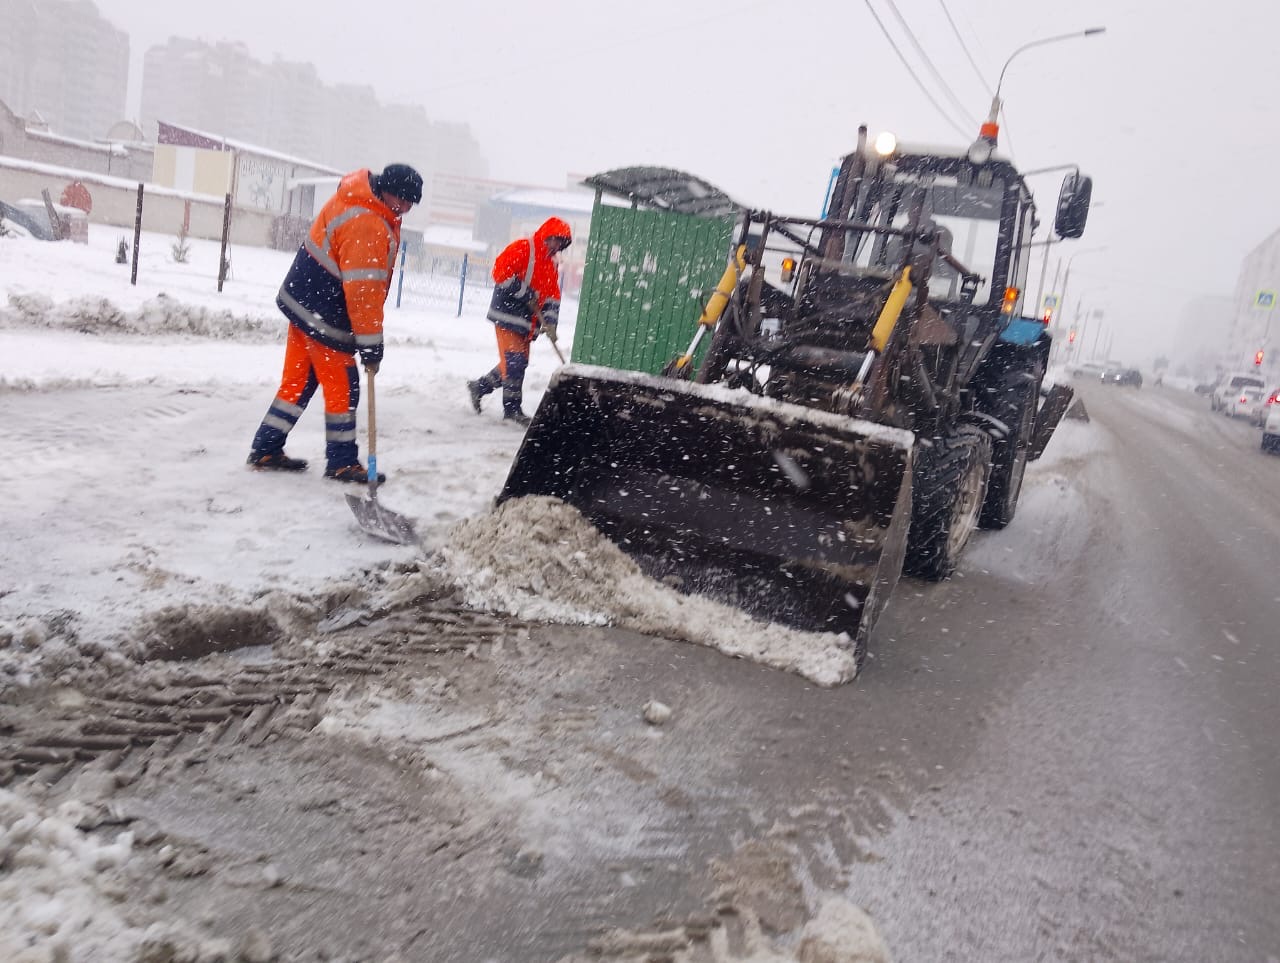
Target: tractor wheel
(949, 485)
(1017, 410)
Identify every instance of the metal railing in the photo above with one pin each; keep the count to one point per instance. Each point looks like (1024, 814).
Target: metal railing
(435, 282)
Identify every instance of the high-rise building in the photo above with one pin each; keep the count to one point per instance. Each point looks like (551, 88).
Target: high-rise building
(220, 88)
(1254, 324)
(62, 62)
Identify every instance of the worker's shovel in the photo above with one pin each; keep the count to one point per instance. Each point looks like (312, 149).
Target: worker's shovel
(370, 514)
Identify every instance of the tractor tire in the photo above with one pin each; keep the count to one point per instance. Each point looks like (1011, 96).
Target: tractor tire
(1017, 410)
(949, 486)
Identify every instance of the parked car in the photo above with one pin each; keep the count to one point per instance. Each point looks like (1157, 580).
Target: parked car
(1088, 370)
(1271, 426)
(1122, 376)
(1267, 401)
(23, 224)
(1229, 390)
(1246, 403)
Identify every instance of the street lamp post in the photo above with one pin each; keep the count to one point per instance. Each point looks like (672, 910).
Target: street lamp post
(989, 132)
(991, 129)
(1066, 278)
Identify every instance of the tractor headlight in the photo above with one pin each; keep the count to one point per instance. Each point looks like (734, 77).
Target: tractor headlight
(886, 144)
(980, 151)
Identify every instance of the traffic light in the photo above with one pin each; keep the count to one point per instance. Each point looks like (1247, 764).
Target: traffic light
(1071, 336)
(1257, 357)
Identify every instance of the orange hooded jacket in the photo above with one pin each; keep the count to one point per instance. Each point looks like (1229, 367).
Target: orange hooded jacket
(523, 273)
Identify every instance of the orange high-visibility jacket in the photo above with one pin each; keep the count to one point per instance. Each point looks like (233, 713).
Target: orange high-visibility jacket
(525, 272)
(338, 284)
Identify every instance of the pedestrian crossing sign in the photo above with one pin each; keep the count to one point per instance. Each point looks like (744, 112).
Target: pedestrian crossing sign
(1265, 299)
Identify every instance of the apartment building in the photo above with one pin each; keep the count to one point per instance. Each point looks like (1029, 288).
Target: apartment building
(222, 87)
(63, 66)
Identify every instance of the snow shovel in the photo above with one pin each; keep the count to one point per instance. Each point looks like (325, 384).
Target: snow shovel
(371, 515)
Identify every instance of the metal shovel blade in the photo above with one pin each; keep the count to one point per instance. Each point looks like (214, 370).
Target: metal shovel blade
(381, 522)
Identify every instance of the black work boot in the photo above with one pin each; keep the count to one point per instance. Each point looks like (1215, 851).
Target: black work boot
(352, 473)
(473, 390)
(482, 386)
(513, 401)
(274, 461)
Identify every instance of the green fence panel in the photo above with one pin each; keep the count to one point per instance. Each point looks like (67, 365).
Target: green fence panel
(647, 276)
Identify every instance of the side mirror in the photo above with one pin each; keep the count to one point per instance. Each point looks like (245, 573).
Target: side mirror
(1073, 205)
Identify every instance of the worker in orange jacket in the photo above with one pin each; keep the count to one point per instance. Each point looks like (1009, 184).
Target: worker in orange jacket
(333, 297)
(526, 303)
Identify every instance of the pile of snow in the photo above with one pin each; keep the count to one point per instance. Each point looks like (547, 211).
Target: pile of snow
(161, 315)
(538, 558)
(62, 892)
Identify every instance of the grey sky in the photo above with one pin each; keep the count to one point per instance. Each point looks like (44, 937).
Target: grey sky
(1172, 111)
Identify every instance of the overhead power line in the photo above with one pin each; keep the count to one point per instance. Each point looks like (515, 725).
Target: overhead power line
(965, 112)
(963, 46)
(1004, 118)
(914, 76)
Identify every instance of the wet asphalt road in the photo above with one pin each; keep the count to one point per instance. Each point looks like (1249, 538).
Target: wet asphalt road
(1067, 752)
(1101, 722)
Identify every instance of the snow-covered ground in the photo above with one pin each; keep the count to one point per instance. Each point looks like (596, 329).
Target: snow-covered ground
(130, 410)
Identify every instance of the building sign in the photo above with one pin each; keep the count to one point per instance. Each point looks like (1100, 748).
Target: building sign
(260, 182)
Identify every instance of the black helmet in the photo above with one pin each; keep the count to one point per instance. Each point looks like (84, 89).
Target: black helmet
(401, 180)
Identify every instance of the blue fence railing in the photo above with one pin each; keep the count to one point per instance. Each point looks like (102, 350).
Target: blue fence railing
(442, 283)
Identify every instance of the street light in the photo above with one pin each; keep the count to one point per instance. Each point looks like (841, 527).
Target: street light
(1066, 278)
(990, 131)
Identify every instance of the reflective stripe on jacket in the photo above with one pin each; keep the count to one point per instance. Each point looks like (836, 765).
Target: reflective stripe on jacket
(338, 284)
(525, 271)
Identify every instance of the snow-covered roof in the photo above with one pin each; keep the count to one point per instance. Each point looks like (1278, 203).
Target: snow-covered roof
(455, 238)
(248, 148)
(45, 135)
(579, 202)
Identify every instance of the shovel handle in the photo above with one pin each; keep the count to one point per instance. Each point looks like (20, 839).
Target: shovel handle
(373, 437)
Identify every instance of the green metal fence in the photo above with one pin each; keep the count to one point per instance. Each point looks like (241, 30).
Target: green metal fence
(648, 275)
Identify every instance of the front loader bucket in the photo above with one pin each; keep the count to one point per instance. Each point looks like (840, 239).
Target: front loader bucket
(792, 514)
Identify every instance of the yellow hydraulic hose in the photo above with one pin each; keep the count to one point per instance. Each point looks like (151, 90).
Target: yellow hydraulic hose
(728, 281)
(892, 309)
